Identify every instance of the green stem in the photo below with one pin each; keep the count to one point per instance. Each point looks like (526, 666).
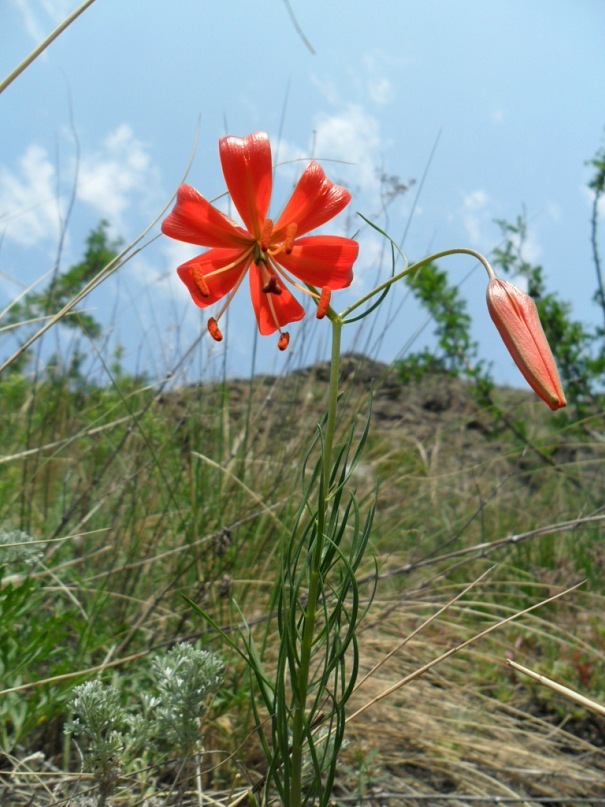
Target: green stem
(333, 398)
(298, 724)
(301, 688)
(456, 251)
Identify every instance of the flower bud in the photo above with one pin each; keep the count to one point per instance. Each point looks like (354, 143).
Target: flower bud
(516, 317)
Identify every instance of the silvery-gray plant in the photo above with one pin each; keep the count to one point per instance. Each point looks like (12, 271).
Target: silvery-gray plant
(167, 718)
(185, 678)
(99, 724)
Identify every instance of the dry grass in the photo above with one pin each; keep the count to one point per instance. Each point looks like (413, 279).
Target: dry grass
(469, 727)
(457, 492)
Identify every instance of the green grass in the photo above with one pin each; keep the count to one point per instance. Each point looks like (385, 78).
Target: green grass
(141, 495)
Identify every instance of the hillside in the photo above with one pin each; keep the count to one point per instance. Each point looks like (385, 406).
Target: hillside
(141, 495)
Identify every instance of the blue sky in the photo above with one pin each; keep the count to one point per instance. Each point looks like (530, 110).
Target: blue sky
(512, 94)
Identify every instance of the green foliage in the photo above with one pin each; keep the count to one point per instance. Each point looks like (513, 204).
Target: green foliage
(32, 637)
(100, 250)
(21, 646)
(361, 774)
(320, 562)
(63, 287)
(456, 354)
(162, 717)
(452, 322)
(597, 186)
(143, 522)
(319, 610)
(597, 183)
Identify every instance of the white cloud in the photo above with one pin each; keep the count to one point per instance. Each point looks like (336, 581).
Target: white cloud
(29, 209)
(554, 211)
(476, 200)
(327, 89)
(476, 217)
(120, 168)
(347, 144)
(352, 136)
(109, 180)
(479, 217)
(378, 85)
(371, 83)
(380, 90)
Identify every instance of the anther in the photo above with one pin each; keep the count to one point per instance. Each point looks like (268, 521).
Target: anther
(265, 239)
(323, 303)
(272, 286)
(284, 340)
(200, 280)
(290, 236)
(214, 330)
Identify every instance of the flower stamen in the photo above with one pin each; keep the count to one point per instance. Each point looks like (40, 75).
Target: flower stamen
(200, 280)
(233, 292)
(265, 239)
(232, 249)
(231, 265)
(323, 304)
(290, 236)
(284, 337)
(214, 330)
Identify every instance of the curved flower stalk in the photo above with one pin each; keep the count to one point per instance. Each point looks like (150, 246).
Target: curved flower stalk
(514, 314)
(272, 254)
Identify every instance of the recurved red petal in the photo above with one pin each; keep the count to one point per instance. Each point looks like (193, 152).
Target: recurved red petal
(516, 317)
(246, 163)
(315, 200)
(272, 311)
(322, 260)
(195, 221)
(219, 269)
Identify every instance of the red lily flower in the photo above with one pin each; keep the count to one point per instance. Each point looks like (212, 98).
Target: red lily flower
(516, 317)
(270, 253)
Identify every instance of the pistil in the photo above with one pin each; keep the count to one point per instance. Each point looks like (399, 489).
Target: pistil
(272, 286)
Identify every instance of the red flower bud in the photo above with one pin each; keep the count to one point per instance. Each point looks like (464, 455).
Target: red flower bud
(516, 317)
